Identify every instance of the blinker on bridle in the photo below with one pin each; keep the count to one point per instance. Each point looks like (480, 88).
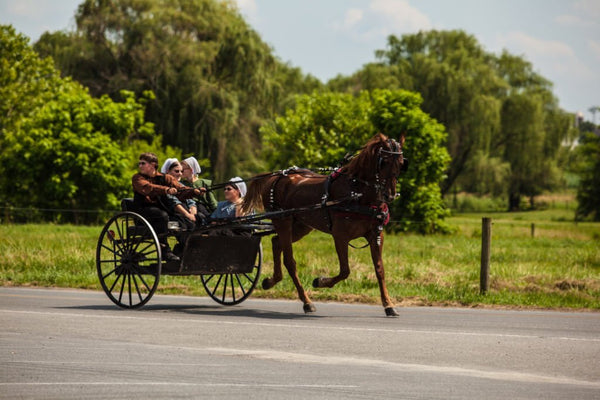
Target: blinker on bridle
(395, 152)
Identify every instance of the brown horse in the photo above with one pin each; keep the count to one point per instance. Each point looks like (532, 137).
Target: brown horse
(354, 200)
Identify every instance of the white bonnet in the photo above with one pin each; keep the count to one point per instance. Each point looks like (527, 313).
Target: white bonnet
(193, 163)
(239, 184)
(165, 167)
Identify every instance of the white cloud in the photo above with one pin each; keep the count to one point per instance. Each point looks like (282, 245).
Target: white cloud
(353, 17)
(590, 8)
(249, 9)
(382, 18)
(570, 21)
(399, 15)
(594, 46)
(586, 14)
(557, 58)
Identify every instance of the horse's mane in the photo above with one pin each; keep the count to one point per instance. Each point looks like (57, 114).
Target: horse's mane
(361, 166)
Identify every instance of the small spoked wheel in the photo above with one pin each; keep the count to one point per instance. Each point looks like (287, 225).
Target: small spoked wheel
(128, 260)
(233, 288)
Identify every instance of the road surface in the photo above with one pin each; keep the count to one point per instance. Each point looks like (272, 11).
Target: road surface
(69, 344)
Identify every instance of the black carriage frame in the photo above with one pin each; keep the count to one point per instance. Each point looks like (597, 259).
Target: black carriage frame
(129, 260)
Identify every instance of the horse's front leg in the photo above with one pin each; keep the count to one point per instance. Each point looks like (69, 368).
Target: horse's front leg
(341, 247)
(298, 232)
(376, 256)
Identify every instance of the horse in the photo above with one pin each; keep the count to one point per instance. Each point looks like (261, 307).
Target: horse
(354, 201)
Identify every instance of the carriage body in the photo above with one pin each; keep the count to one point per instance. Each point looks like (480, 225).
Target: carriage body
(129, 260)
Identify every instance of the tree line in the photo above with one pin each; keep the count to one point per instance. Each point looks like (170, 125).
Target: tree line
(191, 77)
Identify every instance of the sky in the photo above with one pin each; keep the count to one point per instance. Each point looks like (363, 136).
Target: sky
(560, 38)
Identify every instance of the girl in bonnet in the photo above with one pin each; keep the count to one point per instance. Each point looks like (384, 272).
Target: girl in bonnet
(206, 203)
(234, 193)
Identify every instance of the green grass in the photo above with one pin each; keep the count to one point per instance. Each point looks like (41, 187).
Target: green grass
(558, 268)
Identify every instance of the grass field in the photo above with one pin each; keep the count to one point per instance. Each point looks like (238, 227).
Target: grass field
(557, 268)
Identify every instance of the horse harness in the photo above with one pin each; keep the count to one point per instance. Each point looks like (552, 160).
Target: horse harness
(378, 212)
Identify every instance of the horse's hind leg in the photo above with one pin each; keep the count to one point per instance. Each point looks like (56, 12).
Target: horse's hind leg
(376, 252)
(268, 283)
(287, 232)
(298, 232)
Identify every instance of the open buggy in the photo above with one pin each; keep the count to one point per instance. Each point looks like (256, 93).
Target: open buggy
(349, 203)
(129, 262)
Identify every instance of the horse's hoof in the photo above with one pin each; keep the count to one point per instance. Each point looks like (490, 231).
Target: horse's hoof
(265, 284)
(390, 312)
(316, 282)
(309, 308)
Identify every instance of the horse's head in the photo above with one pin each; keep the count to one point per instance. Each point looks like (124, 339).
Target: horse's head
(390, 163)
(380, 163)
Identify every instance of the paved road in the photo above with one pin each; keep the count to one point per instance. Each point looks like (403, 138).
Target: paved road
(67, 344)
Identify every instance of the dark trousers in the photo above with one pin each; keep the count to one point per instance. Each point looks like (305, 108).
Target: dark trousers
(159, 220)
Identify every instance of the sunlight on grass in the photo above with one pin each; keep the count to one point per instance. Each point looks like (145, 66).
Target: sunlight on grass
(558, 267)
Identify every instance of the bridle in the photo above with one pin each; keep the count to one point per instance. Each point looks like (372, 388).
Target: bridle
(395, 153)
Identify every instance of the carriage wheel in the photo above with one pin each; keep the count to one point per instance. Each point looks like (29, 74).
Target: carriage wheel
(128, 260)
(230, 289)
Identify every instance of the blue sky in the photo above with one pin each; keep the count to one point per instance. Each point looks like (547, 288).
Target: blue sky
(561, 38)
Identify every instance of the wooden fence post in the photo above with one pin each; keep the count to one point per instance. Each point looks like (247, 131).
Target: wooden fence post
(486, 244)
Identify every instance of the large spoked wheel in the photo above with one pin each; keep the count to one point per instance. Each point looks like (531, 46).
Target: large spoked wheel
(231, 289)
(128, 260)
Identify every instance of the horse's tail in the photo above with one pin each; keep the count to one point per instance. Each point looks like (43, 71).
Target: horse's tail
(253, 199)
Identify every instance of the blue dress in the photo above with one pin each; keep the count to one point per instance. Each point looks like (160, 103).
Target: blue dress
(225, 209)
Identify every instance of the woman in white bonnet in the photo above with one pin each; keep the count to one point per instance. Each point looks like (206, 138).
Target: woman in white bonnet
(166, 167)
(207, 202)
(187, 209)
(235, 191)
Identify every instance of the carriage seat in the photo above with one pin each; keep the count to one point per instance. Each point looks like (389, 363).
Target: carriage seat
(127, 204)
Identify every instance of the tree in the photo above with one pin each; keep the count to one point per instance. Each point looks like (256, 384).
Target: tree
(588, 192)
(473, 94)
(594, 110)
(214, 79)
(324, 126)
(60, 147)
(456, 79)
(533, 130)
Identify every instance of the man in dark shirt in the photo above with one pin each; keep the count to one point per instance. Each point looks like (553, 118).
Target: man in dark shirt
(149, 190)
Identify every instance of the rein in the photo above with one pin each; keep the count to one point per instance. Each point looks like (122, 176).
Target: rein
(281, 172)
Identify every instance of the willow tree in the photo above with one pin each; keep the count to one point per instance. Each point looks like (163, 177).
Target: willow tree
(214, 79)
(457, 81)
(472, 92)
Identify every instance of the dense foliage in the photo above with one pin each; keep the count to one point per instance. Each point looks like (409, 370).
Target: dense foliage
(210, 87)
(504, 125)
(323, 127)
(214, 79)
(588, 167)
(60, 148)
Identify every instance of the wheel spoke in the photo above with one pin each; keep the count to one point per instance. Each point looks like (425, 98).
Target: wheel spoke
(108, 274)
(137, 289)
(129, 289)
(216, 286)
(118, 277)
(141, 278)
(232, 286)
(237, 277)
(225, 287)
(121, 290)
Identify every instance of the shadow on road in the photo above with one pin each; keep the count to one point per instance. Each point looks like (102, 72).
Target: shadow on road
(203, 310)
